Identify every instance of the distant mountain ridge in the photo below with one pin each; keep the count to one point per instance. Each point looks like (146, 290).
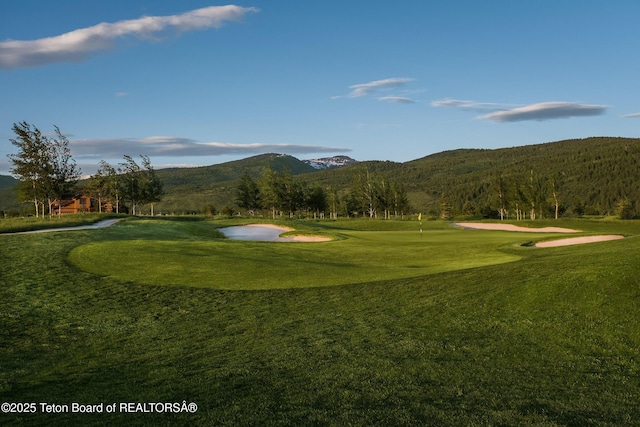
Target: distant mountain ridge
(592, 174)
(7, 181)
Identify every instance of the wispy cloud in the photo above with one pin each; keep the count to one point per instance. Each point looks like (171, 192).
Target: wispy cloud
(503, 113)
(397, 99)
(79, 44)
(121, 94)
(169, 146)
(632, 116)
(469, 105)
(382, 90)
(367, 89)
(545, 111)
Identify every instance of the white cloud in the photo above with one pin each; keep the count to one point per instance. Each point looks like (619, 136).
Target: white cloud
(367, 89)
(79, 44)
(631, 116)
(169, 146)
(545, 111)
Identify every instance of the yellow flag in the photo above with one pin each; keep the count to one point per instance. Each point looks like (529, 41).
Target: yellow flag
(420, 216)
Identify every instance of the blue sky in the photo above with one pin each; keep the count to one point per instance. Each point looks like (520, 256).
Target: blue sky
(193, 82)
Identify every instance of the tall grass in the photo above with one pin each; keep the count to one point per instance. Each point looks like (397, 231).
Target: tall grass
(550, 339)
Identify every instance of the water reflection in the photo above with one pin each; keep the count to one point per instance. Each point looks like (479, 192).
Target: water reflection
(262, 233)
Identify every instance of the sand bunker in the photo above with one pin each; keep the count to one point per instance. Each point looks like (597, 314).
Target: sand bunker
(577, 241)
(511, 227)
(547, 244)
(266, 233)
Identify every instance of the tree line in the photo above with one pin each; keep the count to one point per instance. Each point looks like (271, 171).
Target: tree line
(370, 195)
(137, 184)
(47, 173)
(592, 176)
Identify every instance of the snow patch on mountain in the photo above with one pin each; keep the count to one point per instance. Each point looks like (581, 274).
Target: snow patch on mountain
(330, 162)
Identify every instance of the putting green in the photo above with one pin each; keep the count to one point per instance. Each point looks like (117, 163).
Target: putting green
(360, 256)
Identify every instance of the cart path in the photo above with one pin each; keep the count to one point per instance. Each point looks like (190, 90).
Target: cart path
(99, 224)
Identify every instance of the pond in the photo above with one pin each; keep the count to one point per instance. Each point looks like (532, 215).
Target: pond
(266, 233)
(256, 232)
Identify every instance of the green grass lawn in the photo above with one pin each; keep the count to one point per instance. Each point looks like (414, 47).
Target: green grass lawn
(354, 257)
(459, 328)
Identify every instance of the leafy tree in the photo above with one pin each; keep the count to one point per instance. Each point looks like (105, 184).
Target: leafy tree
(30, 163)
(139, 185)
(384, 197)
(96, 187)
(316, 201)
(270, 194)
(334, 202)
(501, 193)
(63, 172)
(111, 183)
(624, 209)
(536, 196)
(469, 208)
(446, 208)
(351, 204)
(44, 166)
(290, 193)
(248, 194)
(227, 211)
(209, 209)
(152, 186)
(554, 184)
(578, 208)
(400, 200)
(365, 191)
(131, 183)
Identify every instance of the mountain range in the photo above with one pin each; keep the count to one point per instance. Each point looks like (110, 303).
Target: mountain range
(590, 174)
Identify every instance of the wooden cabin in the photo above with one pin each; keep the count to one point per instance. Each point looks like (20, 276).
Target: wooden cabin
(80, 204)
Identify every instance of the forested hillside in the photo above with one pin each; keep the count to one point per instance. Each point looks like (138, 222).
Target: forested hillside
(592, 176)
(8, 199)
(7, 181)
(587, 176)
